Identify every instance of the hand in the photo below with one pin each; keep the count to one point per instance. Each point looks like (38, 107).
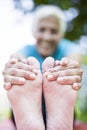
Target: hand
(67, 72)
(17, 70)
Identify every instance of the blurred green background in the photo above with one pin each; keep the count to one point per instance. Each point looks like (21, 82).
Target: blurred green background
(77, 25)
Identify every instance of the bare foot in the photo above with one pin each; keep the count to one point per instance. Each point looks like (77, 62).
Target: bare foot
(59, 99)
(26, 102)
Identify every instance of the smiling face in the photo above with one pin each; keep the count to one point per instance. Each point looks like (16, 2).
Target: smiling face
(47, 36)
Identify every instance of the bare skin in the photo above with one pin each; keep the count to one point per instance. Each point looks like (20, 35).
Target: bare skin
(26, 101)
(67, 72)
(12, 75)
(16, 71)
(59, 99)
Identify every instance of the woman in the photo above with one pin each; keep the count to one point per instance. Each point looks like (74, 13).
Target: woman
(49, 27)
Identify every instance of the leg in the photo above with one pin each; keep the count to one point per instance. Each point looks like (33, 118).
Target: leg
(26, 102)
(59, 99)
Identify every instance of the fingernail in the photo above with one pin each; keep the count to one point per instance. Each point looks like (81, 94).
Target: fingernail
(57, 62)
(50, 76)
(60, 79)
(7, 86)
(46, 73)
(64, 61)
(35, 71)
(32, 75)
(21, 80)
(13, 60)
(76, 86)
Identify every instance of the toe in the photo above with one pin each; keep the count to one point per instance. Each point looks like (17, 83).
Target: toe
(33, 62)
(47, 64)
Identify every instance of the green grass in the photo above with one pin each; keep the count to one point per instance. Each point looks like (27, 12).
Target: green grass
(84, 59)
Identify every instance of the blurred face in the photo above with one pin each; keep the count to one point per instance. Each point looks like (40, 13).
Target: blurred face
(47, 36)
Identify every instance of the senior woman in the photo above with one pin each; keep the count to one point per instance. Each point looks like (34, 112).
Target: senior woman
(31, 73)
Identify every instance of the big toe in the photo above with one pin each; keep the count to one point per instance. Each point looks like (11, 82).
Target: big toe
(47, 64)
(33, 62)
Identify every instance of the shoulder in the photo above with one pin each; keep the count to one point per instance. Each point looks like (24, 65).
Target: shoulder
(68, 47)
(28, 47)
(26, 50)
(66, 43)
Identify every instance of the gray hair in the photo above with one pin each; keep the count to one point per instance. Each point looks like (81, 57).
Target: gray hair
(49, 10)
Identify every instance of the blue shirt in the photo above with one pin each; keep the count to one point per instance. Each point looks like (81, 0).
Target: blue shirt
(64, 48)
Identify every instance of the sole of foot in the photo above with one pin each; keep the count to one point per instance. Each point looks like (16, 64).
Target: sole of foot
(26, 101)
(59, 99)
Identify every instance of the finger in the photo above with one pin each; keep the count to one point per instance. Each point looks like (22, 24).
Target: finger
(17, 57)
(76, 86)
(20, 65)
(7, 86)
(70, 72)
(67, 62)
(71, 65)
(8, 65)
(14, 59)
(51, 77)
(20, 73)
(64, 61)
(69, 80)
(56, 69)
(14, 80)
(57, 63)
